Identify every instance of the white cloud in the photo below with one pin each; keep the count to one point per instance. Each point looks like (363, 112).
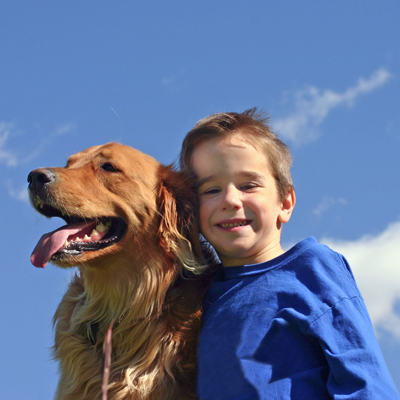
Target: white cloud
(11, 158)
(6, 156)
(18, 194)
(174, 82)
(63, 129)
(313, 105)
(375, 261)
(326, 203)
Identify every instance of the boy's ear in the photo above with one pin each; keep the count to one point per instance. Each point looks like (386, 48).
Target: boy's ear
(287, 206)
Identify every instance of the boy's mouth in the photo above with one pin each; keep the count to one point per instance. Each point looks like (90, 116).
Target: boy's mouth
(234, 224)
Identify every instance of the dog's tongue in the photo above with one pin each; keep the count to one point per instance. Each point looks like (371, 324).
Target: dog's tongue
(51, 242)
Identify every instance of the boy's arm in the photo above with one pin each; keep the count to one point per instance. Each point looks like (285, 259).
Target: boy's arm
(357, 367)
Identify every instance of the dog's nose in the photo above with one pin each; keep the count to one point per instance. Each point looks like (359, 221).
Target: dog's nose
(40, 177)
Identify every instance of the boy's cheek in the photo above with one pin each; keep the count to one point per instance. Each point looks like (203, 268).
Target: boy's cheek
(203, 216)
(203, 226)
(202, 230)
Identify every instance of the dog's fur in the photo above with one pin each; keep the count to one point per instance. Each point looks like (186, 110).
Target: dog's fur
(140, 283)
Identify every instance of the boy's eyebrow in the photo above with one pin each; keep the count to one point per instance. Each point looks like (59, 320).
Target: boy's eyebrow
(204, 180)
(247, 174)
(252, 174)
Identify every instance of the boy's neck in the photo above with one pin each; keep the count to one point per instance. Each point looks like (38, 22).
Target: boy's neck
(267, 255)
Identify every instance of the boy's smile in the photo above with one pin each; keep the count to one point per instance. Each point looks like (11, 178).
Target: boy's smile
(240, 211)
(232, 224)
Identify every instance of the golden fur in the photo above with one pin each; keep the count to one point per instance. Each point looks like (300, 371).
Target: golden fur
(138, 283)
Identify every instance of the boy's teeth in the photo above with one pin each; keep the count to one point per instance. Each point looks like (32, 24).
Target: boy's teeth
(234, 224)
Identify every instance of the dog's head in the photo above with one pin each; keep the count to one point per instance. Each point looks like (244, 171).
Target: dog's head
(114, 200)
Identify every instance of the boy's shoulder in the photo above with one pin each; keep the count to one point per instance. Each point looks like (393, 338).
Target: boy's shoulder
(303, 258)
(309, 252)
(318, 263)
(309, 249)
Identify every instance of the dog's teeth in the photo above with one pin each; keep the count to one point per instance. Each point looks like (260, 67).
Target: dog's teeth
(66, 243)
(86, 237)
(100, 227)
(94, 233)
(78, 239)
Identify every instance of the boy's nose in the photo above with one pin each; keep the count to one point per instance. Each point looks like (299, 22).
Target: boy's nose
(231, 199)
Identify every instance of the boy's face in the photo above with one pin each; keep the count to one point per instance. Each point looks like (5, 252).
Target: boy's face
(240, 211)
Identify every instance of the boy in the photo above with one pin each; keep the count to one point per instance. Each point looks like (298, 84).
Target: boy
(276, 325)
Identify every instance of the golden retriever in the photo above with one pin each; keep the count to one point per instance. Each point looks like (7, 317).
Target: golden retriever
(131, 232)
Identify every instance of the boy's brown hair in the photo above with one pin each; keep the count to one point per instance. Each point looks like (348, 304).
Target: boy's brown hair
(254, 127)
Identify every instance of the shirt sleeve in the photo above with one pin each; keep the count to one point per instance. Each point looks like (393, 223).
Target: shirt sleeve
(357, 367)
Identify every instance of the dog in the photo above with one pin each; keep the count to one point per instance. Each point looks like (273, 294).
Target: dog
(132, 233)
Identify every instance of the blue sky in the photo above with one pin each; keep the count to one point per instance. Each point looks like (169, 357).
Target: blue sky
(76, 74)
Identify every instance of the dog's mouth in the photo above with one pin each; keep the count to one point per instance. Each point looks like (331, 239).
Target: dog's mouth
(78, 236)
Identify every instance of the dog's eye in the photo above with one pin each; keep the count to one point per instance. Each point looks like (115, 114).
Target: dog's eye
(108, 167)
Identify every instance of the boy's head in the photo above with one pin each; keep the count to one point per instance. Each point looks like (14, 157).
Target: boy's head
(254, 128)
(244, 185)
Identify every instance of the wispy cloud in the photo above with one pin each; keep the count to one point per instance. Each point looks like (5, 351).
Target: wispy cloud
(174, 82)
(62, 129)
(312, 106)
(375, 261)
(18, 154)
(18, 194)
(327, 203)
(40, 147)
(11, 157)
(7, 156)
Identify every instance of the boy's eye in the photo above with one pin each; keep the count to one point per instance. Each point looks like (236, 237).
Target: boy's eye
(210, 191)
(248, 186)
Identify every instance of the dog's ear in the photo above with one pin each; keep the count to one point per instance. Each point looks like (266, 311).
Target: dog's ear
(179, 210)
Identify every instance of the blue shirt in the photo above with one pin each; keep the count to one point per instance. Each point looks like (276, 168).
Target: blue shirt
(295, 327)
